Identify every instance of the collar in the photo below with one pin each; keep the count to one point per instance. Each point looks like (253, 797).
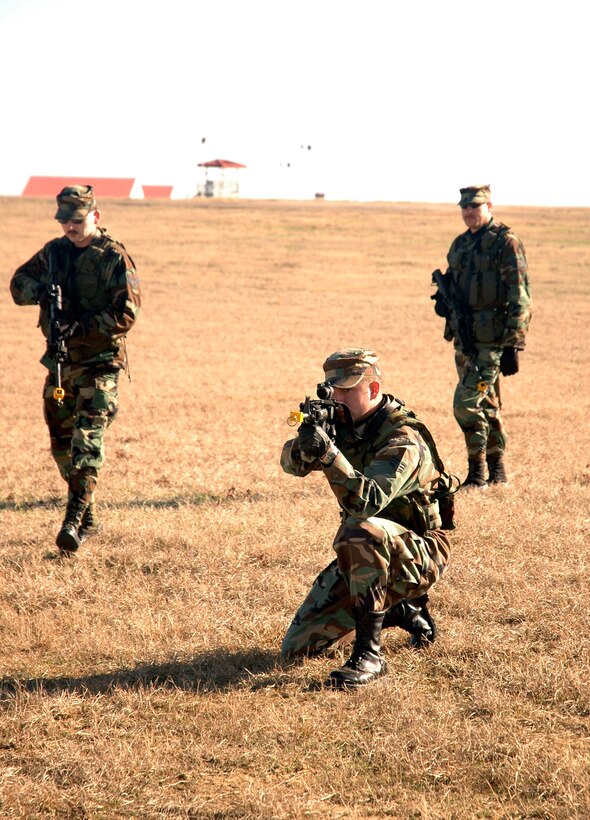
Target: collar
(365, 427)
(475, 236)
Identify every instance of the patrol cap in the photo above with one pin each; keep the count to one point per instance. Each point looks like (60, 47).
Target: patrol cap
(346, 368)
(474, 195)
(75, 202)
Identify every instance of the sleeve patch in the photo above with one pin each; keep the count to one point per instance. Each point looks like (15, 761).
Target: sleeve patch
(132, 278)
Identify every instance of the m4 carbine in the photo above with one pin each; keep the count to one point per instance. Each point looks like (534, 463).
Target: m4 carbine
(56, 342)
(459, 318)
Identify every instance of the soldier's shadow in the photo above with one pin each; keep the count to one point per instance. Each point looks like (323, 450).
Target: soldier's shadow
(31, 504)
(230, 496)
(214, 671)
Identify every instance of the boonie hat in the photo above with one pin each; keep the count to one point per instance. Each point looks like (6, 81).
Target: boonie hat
(346, 368)
(75, 202)
(474, 195)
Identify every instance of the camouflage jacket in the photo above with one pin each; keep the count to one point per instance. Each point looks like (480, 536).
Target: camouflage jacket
(386, 468)
(100, 292)
(490, 271)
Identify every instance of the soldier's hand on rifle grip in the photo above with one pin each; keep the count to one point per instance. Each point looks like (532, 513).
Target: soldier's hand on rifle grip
(313, 442)
(509, 361)
(69, 329)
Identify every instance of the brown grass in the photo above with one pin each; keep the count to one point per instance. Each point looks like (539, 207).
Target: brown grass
(142, 678)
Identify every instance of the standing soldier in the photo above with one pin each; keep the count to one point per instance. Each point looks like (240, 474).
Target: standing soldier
(485, 298)
(88, 292)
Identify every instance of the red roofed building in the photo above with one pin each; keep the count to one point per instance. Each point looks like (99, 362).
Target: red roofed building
(117, 188)
(157, 191)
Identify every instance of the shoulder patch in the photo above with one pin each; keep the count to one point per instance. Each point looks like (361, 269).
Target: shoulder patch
(132, 278)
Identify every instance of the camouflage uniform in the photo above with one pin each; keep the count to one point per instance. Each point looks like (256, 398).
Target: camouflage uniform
(489, 270)
(101, 301)
(389, 546)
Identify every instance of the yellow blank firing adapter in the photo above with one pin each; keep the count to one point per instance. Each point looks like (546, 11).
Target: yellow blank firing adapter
(295, 417)
(59, 393)
(482, 387)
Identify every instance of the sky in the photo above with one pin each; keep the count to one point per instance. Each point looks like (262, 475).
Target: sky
(394, 100)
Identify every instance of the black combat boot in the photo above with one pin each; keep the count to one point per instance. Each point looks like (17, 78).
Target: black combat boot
(497, 469)
(413, 616)
(365, 664)
(68, 539)
(89, 525)
(476, 474)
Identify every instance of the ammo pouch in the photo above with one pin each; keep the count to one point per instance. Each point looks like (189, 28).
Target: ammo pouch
(489, 325)
(425, 516)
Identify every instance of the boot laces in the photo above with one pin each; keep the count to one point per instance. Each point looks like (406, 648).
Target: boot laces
(357, 659)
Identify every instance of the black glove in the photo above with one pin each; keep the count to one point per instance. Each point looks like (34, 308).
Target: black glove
(313, 442)
(440, 307)
(509, 361)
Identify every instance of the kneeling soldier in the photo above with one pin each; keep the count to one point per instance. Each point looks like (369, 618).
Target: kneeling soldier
(383, 467)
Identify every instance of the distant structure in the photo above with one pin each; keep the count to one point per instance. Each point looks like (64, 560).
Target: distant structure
(218, 185)
(104, 187)
(157, 191)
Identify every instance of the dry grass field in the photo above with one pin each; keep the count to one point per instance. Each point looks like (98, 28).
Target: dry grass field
(142, 678)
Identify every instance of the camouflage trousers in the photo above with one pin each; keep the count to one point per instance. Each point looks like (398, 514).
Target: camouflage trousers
(378, 564)
(476, 403)
(77, 426)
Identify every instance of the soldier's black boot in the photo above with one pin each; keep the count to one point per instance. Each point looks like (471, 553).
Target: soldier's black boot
(412, 615)
(365, 664)
(476, 474)
(497, 469)
(68, 539)
(89, 525)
